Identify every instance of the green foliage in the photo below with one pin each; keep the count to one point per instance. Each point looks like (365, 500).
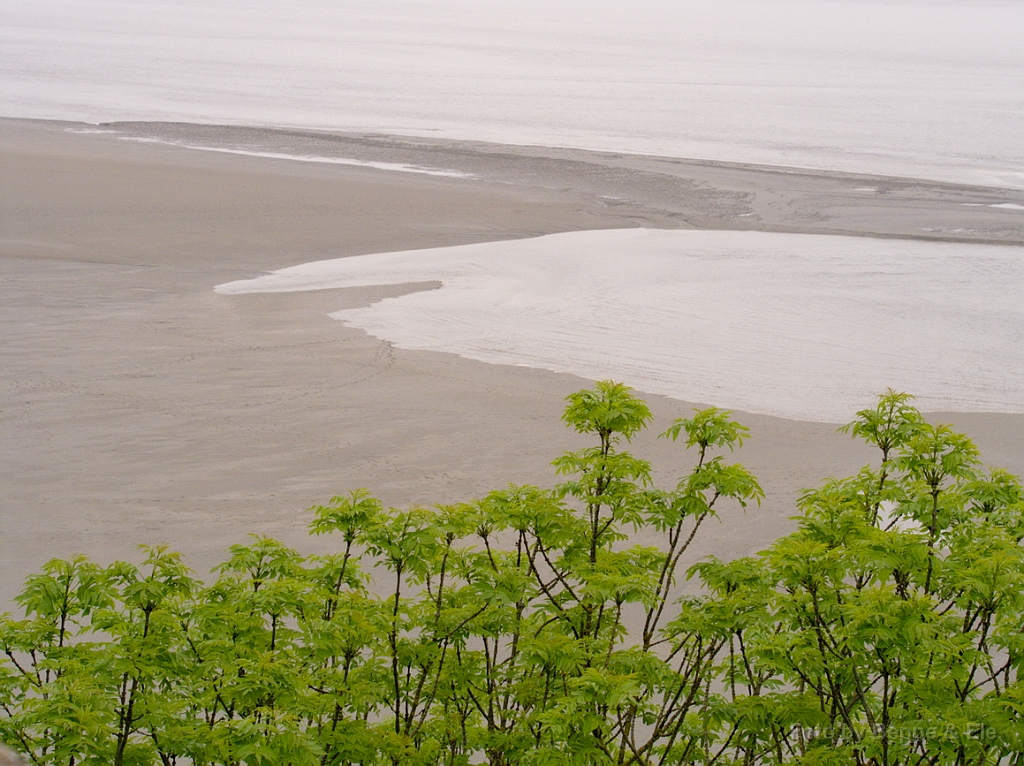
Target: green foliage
(526, 628)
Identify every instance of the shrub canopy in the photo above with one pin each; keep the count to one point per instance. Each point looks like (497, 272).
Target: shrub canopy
(526, 628)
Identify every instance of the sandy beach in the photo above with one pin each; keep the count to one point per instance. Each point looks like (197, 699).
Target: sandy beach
(138, 406)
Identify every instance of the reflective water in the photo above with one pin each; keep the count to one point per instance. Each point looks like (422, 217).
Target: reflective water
(801, 326)
(925, 88)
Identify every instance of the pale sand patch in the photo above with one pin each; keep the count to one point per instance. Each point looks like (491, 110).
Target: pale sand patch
(138, 406)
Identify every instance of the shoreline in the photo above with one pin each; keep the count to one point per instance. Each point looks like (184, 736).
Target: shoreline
(142, 130)
(665, 192)
(140, 407)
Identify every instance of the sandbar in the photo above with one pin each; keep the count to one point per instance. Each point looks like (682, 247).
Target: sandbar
(139, 406)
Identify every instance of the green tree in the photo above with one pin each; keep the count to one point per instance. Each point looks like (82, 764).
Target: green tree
(526, 627)
(884, 607)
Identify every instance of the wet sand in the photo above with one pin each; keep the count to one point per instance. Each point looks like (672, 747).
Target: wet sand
(138, 406)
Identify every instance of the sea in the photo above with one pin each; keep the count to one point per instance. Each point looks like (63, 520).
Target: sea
(921, 88)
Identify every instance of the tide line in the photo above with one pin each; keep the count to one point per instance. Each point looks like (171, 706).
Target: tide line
(392, 166)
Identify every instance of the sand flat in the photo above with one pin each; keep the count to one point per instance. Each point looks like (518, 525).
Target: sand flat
(136, 405)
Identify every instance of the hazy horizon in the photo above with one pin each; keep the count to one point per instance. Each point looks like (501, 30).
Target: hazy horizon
(931, 90)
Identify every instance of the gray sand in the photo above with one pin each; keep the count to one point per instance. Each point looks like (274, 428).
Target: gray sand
(137, 406)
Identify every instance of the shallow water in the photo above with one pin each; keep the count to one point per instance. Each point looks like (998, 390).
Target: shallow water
(906, 87)
(800, 326)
